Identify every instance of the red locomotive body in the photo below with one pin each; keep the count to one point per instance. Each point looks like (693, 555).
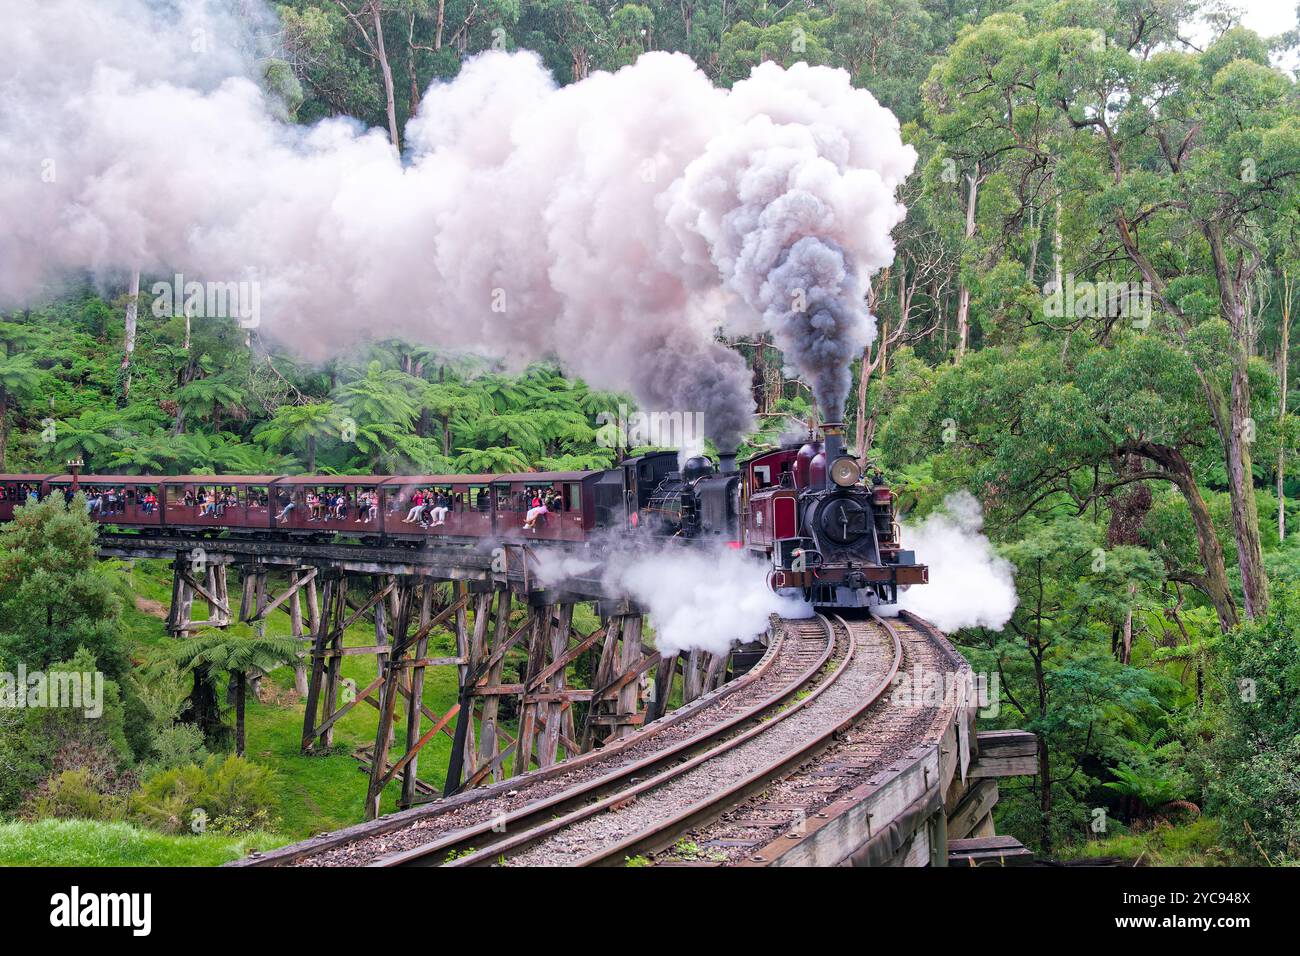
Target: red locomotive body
(828, 536)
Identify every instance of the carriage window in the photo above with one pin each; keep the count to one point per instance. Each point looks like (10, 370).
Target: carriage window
(762, 475)
(573, 497)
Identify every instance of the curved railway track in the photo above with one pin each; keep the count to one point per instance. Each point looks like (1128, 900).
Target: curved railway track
(738, 772)
(761, 829)
(807, 647)
(650, 815)
(477, 819)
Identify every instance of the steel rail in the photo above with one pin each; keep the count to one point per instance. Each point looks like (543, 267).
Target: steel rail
(769, 853)
(664, 834)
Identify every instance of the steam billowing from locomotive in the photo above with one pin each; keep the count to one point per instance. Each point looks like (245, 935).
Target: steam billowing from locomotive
(708, 597)
(615, 224)
(979, 587)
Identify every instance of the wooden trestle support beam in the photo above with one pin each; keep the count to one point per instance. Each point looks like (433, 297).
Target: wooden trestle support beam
(534, 692)
(198, 574)
(517, 655)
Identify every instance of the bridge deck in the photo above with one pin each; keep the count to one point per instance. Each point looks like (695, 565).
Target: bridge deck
(477, 562)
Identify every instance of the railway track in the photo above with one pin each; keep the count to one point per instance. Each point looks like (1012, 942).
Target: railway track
(807, 647)
(650, 813)
(735, 779)
(759, 830)
(433, 834)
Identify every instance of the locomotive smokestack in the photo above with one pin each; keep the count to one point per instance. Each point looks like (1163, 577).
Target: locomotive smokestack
(726, 462)
(834, 433)
(833, 445)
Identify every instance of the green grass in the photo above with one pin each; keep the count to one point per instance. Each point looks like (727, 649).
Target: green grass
(317, 793)
(1192, 844)
(87, 843)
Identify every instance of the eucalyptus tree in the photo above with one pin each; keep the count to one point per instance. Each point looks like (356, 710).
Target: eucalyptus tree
(1175, 166)
(1035, 432)
(1195, 155)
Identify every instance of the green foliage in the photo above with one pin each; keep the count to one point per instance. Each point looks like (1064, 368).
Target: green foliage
(173, 747)
(89, 843)
(229, 651)
(1194, 844)
(1254, 761)
(1152, 789)
(74, 795)
(54, 598)
(230, 795)
(36, 742)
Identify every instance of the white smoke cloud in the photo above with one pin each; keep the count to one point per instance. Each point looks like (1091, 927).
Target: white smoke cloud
(702, 595)
(614, 224)
(705, 597)
(970, 585)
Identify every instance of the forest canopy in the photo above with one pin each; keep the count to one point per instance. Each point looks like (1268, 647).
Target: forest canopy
(1088, 324)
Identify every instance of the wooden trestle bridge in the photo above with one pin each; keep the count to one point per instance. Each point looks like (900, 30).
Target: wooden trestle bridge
(804, 758)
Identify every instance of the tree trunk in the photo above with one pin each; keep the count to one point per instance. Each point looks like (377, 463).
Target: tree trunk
(1126, 648)
(1036, 235)
(882, 363)
(1044, 757)
(204, 712)
(1282, 363)
(1237, 438)
(860, 431)
(413, 106)
(187, 373)
(128, 337)
(1044, 798)
(4, 426)
(963, 296)
(241, 690)
(376, 9)
(1215, 583)
(1056, 249)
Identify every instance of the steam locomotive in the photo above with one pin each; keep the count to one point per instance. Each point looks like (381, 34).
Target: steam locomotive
(828, 537)
(803, 510)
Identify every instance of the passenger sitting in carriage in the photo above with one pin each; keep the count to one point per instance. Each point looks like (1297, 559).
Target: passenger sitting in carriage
(539, 510)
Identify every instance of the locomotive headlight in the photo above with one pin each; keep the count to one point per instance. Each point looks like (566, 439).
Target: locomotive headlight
(845, 472)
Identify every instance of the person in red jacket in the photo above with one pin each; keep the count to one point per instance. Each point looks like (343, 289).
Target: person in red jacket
(417, 505)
